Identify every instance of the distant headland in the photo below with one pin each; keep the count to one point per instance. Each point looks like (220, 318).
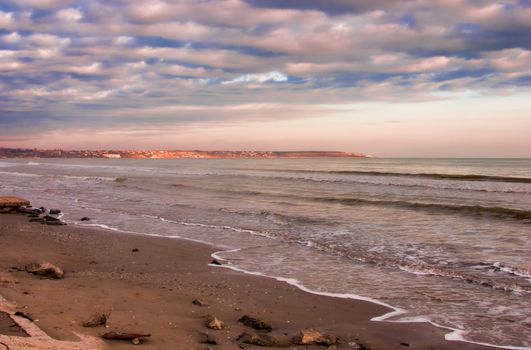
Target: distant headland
(58, 153)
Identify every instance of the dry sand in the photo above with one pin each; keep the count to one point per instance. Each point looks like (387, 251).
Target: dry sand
(151, 291)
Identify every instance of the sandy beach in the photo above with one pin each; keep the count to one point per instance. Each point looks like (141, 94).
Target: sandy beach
(151, 291)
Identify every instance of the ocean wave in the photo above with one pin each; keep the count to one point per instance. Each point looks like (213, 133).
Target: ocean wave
(11, 173)
(502, 281)
(75, 177)
(436, 176)
(395, 314)
(493, 211)
(4, 164)
(502, 212)
(218, 227)
(277, 218)
(375, 182)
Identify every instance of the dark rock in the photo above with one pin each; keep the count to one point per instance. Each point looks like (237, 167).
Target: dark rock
(263, 340)
(405, 344)
(33, 215)
(199, 302)
(26, 210)
(23, 314)
(41, 220)
(85, 218)
(6, 209)
(206, 338)
(215, 262)
(213, 323)
(96, 320)
(255, 323)
(358, 346)
(314, 337)
(55, 211)
(50, 218)
(135, 250)
(46, 270)
(125, 335)
(55, 223)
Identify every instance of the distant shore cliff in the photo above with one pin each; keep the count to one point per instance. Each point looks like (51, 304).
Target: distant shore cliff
(57, 153)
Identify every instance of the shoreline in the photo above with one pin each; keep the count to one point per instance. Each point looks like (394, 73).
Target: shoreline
(285, 305)
(453, 334)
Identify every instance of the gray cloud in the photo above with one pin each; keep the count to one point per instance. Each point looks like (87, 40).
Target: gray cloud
(120, 62)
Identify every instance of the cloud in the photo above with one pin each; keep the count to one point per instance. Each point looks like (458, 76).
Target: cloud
(124, 60)
(11, 38)
(259, 78)
(6, 19)
(124, 40)
(43, 4)
(69, 15)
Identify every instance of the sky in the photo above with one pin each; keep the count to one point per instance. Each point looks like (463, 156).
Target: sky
(398, 78)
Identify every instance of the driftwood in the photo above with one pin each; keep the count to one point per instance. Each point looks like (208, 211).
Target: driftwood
(125, 335)
(24, 315)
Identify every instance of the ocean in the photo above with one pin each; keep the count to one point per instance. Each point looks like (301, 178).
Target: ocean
(446, 241)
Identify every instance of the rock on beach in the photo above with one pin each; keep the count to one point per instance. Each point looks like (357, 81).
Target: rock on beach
(255, 323)
(314, 337)
(46, 270)
(96, 320)
(213, 323)
(10, 204)
(264, 340)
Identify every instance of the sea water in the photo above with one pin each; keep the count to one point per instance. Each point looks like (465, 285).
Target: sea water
(441, 240)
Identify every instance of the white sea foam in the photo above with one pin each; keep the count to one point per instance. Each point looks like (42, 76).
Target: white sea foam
(4, 164)
(114, 229)
(454, 334)
(513, 271)
(11, 173)
(219, 227)
(54, 176)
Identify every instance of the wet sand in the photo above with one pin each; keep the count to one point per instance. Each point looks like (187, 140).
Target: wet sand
(151, 291)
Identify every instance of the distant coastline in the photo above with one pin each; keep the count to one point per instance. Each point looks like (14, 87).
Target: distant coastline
(58, 153)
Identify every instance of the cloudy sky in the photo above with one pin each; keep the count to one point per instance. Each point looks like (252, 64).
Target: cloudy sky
(384, 77)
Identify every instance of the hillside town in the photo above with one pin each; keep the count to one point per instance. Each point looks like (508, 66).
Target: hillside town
(58, 153)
